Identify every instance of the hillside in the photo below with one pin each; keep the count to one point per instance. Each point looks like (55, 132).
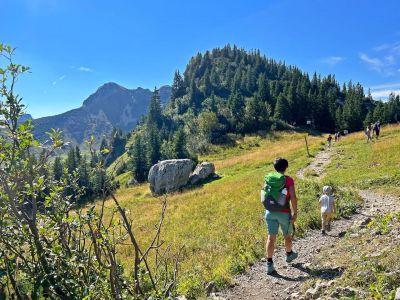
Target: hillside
(111, 106)
(229, 91)
(220, 224)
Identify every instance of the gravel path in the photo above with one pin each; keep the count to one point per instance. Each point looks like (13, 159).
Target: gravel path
(256, 284)
(317, 166)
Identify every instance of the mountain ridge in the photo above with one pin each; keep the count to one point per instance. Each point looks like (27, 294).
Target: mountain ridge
(110, 106)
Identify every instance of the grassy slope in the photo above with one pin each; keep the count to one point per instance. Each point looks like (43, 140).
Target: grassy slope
(220, 224)
(371, 261)
(374, 165)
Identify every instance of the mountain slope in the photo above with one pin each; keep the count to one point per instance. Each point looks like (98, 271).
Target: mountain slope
(110, 106)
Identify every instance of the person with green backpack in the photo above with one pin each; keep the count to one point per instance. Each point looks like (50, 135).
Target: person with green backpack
(279, 199)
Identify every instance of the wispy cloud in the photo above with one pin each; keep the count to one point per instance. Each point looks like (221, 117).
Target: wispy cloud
(383, 65)
(84, 69)
(59, 79)
(332, 60)
(382, 91)
(393, 48)
(384, 94)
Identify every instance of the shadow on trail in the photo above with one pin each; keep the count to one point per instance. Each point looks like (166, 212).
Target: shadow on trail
(322, 273)
(287, 278)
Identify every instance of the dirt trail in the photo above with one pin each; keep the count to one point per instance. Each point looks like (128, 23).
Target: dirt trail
(317, 166)
(256, 284)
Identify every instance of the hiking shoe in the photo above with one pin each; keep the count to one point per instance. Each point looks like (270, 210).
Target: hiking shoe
(270, 268)
(323, 232)
(292, 256)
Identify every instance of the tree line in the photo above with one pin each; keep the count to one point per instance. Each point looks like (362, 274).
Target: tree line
(230, 90)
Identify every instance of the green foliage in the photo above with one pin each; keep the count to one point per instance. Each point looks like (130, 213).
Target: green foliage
(49, 247)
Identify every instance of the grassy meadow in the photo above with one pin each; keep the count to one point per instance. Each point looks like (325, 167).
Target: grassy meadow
(220, 224)
(374, 165)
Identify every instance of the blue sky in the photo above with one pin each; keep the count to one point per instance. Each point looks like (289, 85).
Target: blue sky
(74, 46)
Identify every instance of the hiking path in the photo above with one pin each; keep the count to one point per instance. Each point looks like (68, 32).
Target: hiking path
(255, 284)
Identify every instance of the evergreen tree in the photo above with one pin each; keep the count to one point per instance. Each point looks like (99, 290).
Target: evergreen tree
(70, 162)
(180, 144)
(178, 88)
(78, 156)
(236, 105)
(138, 159)
(153, 146)
(57, 168)
(282, 108)
(155, 111)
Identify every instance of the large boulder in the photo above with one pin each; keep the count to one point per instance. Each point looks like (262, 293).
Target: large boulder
(169, 175)
(202, 171)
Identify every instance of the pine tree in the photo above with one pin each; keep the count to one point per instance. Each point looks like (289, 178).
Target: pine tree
(153, 146)
(236, 105)
(78, 156)
(57, 168)
(70, 162)
(138, 159)
(178, 86)
(281, 108)
(155, 111)
(180, 144)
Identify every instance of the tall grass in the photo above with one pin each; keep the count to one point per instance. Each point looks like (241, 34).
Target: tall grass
(221, 223)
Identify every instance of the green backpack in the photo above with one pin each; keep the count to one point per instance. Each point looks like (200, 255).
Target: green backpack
(274, 191)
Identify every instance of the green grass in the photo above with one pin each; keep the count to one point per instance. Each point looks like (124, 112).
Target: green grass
(221, 223)
(371, 261)
(364, 165)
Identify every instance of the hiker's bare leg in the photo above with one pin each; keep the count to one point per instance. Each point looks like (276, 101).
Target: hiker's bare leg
(270, 245)
(288, 243)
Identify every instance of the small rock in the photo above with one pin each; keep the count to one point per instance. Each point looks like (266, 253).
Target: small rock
(210, 287)
(335, 294)
(295, 295)
(397, 296)
(313, 293)
(348, 291)
(181, 298)
(202, 171)
(376, 232)
(365, 222)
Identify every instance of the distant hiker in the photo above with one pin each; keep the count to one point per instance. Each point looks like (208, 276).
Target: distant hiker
(329, 141)
(368, 133)
(277, 194)
(336, 137)
(377, 129)
(328, 208)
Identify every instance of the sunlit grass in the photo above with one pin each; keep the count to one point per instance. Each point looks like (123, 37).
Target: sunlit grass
(221, 223)
(373, 165)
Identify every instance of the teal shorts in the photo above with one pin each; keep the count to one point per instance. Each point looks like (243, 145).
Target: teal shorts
(275, 219)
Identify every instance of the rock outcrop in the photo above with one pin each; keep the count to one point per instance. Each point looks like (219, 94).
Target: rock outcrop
(202, 171)
(169, 175)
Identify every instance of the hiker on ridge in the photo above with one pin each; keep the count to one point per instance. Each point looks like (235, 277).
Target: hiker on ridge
(277, 194)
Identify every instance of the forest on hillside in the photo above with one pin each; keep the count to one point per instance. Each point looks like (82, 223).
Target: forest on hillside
(232, 91)
(224, 93)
